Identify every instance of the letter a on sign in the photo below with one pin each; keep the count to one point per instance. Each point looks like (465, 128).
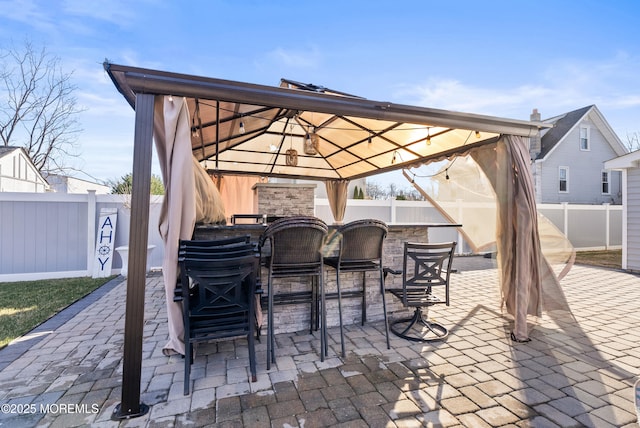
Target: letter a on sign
(105, 239)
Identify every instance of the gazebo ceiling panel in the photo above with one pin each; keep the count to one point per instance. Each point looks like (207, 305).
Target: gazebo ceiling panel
(246, 129)
(341, 157)
(377, 145)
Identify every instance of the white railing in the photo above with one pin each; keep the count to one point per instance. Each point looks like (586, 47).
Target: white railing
(52, 235)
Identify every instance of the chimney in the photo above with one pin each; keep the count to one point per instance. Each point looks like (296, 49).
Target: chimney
(535, 116)
(535, 143)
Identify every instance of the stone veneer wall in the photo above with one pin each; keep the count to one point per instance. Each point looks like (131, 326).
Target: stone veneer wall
(280, 199)
(292, 318)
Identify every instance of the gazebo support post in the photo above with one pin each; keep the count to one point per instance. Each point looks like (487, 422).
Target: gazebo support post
(131, 407)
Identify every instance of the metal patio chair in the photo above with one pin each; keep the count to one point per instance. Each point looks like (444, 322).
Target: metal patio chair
(218, 296)
(360, 250)
(294, 250)
(425, 282)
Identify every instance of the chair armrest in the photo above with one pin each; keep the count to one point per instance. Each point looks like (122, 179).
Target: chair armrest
(387, 270)
(391, 271)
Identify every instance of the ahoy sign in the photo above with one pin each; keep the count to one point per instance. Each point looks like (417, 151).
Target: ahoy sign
(104, 243)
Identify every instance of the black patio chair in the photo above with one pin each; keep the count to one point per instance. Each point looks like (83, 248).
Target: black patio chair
(295, 245)
(218, 296)
(425, 282)
(360, 250)
(225, 247)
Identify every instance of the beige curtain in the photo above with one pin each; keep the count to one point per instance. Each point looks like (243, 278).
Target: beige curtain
(528, 282)
(209, 205)
(237, 194)
(178, 212)
(489, 190)
(518, 241)
(337, 195)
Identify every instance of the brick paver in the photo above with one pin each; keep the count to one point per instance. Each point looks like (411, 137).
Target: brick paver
(577, 370)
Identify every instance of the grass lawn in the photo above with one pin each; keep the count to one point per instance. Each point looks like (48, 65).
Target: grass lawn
(25, 305)
(608, 258)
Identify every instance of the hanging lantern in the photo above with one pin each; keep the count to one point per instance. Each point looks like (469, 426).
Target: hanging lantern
(292, 157)
(311, 143)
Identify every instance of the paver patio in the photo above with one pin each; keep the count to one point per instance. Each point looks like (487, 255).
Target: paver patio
(577, 371)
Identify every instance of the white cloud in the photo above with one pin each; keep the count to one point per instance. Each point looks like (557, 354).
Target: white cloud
(27, 12)
(563, 86)
(114, 11)
(455, 95)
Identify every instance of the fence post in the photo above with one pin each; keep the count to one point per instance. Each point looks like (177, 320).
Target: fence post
(565, 220)
(607, 217)
(91, 230)
(459, 249)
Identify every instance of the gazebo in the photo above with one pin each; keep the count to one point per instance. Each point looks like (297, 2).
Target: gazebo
(306, 131)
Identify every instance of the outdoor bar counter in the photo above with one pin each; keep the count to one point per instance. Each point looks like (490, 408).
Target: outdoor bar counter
(296, 317)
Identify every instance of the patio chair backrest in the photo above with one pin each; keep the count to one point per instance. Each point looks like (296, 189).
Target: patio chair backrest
(362, 240)
(219, 248)
(425, 266)
(295, 240)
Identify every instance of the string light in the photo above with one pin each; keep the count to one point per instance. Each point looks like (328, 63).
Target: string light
(268, 119)
(428, 137)
(170, 98)
(477, 134)
(242, 130)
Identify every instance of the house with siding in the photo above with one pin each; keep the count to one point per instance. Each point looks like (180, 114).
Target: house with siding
(568, 160)
(629, 166)
(18, 173)
(65, 184)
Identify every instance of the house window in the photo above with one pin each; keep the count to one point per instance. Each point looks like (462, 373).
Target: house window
(563, 179)
(584, 138)
(605, 182)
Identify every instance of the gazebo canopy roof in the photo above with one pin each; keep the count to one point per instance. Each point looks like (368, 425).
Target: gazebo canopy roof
(242, 128)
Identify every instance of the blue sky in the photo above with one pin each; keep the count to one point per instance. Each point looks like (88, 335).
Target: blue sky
(500, 58)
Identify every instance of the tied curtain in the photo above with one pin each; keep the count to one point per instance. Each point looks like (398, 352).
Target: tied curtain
(178, 212)
(190, 197)
(337, 195)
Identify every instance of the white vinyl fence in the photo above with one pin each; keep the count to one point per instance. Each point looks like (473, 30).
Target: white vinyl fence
(53, 235)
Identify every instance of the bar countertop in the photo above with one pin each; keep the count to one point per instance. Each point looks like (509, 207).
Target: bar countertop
(260, 226)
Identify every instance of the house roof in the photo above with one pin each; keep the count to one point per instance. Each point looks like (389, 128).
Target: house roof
(629, 160)
(245, 128)
(5, 150)
(564, 123)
